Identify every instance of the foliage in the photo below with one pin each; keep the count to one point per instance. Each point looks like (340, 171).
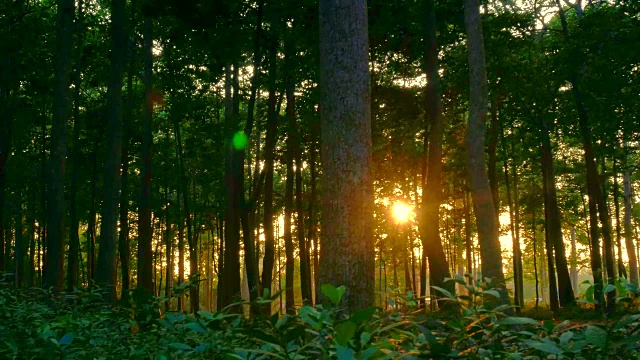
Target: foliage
(78, 325)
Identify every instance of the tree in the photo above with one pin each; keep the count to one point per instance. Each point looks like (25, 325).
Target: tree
(430, 219)
(106, 266)
(346, 248)
(474, 141)
(54, 260)
(145, 254)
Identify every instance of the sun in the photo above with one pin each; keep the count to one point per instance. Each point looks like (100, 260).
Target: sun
(402, 212)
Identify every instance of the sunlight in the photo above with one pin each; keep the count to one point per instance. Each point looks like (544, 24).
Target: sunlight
(402, 212)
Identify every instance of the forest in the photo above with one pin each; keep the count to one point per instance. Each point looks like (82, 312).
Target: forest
(332, 179)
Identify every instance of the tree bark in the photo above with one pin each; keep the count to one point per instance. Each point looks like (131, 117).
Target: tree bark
(554, 227)
(106, 269)
(270, 144)
(123, 239)
(347, 255)
(54, 260)
(622, 272)
(74, 238)
(596, 198)
(628, 230)
(145, 232)
(484, 208)
(430, 217)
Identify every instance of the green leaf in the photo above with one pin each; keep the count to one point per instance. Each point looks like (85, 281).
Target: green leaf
(565, 337)
(66, 339)
(363, 315)
(514, 320)
(344, 353)
(364, 338)
(493, 293)
(596, 336)
(545, 346)
(194, 326)
(334, 294)
(240, 140)
(180, 346)
(609, 288)
(345, 332)
(445, 292)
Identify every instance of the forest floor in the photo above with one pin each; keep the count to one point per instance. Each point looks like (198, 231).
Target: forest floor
(35, 324)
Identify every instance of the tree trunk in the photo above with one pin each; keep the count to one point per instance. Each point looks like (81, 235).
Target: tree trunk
(145, 232)
(517, 256)
(596, 199)
(430, 219)
(168, 238)
(288, 241)
(123, 239)
(488, 234)
(270, 144)
(552, 219)
(628, 232)
(553, 287)
(54, 260)
(91, 226)
(622, 272)
(106, 269)
(315, 130)
(74, 238)
(347, 255)
(574, 261)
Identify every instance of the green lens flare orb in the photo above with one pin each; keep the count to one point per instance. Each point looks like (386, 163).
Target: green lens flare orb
(240, 140)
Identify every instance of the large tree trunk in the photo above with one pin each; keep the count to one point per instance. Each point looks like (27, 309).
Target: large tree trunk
(430, 219)
(106, 269)
(145, 232)
(553, 288)
(628, 231)
(554, 227)
(54, 260)
(347, 255)
(478, 180)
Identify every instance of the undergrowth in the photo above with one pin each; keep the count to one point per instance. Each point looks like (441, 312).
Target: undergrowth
(35, 324)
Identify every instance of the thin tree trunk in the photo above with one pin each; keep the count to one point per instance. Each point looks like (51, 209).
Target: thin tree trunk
(430, 219)
(535, 257)
(270, 143)
(574, 261)
(553, 287)
(315, 130)
(616, 192)
(485, 211)
(91, 227)
(596, 198)
(288, 241)
(168, 238)
(123, 240)
(145, 232)
(229, 284)
(74, 238)
(554, 227)
(628, 236)
(106, 269)
(54, 260)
